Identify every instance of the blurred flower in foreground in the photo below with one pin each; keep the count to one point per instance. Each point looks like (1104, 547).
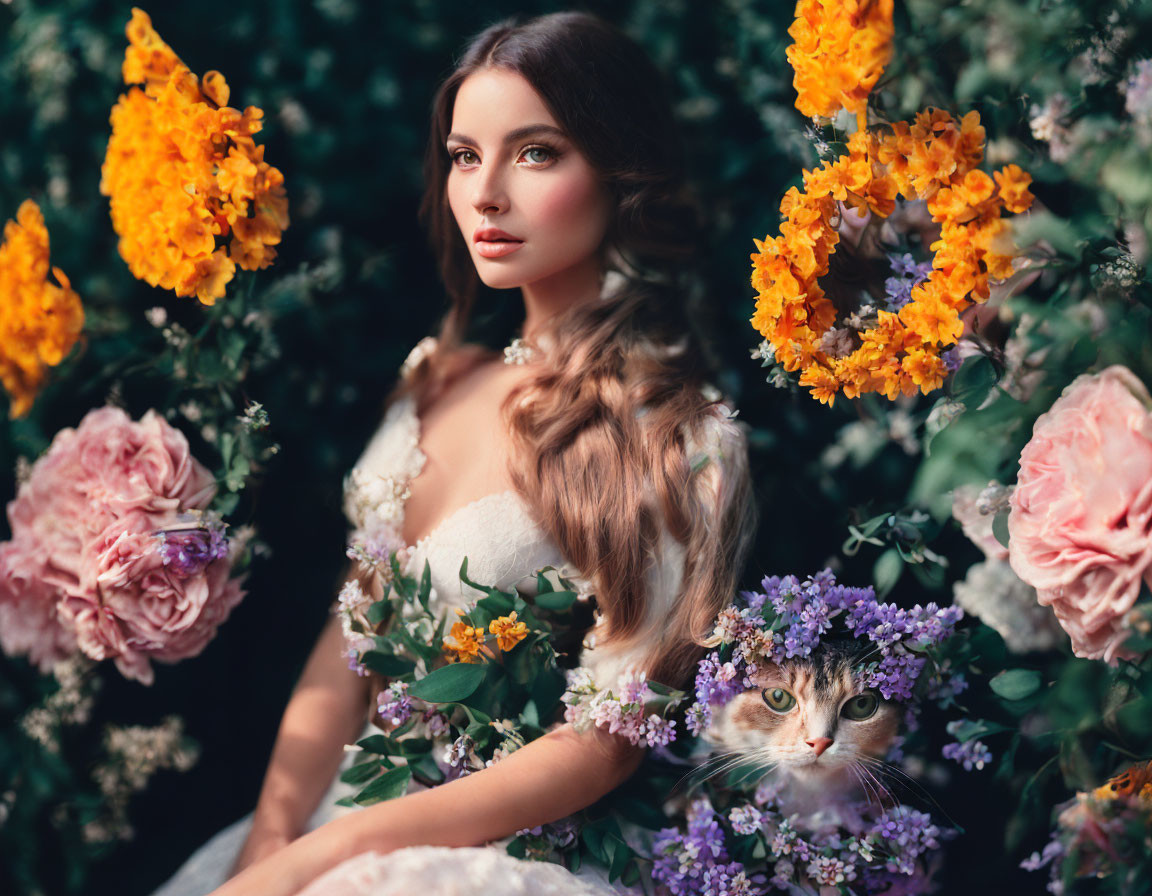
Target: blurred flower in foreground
(39, 321)
(1101, 832)
(839, 53)
(112, 551)
(184, 174)
(1082, 508)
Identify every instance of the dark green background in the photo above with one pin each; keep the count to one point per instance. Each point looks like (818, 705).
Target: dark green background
(346, 89)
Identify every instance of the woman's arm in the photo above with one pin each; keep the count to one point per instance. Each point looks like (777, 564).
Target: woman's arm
(551, 777)
(327, 710)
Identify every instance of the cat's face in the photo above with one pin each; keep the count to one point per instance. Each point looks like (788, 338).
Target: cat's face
(808, 718)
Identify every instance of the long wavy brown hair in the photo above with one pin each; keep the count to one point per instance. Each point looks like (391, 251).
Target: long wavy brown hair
(598, 437)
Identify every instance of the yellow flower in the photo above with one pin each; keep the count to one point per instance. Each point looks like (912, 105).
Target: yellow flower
(191, 196)
(465, 641)
(40, 321)
(508, 631)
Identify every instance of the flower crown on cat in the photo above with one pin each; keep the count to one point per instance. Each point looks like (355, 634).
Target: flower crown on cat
(788, 619)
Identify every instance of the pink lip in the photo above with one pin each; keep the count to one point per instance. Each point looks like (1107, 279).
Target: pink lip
(491, 242)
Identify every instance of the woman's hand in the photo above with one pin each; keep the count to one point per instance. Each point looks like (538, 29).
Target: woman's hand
(556, 775)
(261, 843)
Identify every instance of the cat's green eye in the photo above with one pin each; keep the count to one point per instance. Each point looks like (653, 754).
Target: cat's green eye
(861, 707)
(778, 699)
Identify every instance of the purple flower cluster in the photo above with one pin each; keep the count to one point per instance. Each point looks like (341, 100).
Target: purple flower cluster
(909, 273)
(789, 618)
(902, 835)
(186, 549)
(696, 863)
(895, 630)
(883, 853)
(394, 705)
(628, 714)
(972, 754)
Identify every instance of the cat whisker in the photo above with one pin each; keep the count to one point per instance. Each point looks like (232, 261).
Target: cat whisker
(912, 785)
(880, 788)
(860, 779)
(701, 773)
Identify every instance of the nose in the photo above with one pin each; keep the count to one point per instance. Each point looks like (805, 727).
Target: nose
(488, 191)
(819, 744)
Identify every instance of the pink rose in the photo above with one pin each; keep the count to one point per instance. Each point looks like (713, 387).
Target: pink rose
(1081, 514)
(86, 569)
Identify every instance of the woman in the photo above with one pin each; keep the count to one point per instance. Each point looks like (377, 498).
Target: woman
(553, 167)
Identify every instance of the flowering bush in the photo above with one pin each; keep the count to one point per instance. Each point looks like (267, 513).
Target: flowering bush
(1081, 520)
(39, 320)
(182, 171)
(934, 159)
(112, 552)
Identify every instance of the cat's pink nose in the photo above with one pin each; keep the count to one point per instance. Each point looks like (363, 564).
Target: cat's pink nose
(819, 744)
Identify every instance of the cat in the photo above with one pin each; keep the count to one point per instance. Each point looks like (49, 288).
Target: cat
(809, 724)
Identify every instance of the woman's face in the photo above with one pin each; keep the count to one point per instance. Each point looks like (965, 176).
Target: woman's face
(529, 205)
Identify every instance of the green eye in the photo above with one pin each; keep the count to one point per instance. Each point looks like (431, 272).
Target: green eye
(860, 707)
(537, 155)
(778, 699)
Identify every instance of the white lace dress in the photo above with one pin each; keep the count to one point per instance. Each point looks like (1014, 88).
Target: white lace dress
(505, 548)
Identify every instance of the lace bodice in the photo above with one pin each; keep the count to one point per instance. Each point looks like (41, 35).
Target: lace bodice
(503, 543)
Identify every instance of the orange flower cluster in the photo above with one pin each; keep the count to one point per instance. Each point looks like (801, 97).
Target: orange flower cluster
(191, 195)
(933, 159)
(465, 640)
(840, 50)
(508, 631)
(39, 321)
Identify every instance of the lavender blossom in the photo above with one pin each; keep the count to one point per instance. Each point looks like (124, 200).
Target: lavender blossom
(696, 862)
(188, 548)
(909, 274)
(745, 819)
(394, 705)
(972, 754)
(906, 834)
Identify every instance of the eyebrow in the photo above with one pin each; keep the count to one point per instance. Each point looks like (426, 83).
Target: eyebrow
(511, 136)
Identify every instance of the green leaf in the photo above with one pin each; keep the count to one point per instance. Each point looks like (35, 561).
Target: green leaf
(517, 849)
(557, 601)
(425, 586)
(377, 743)
(426, 768)
(970, 729)
(887, 571)
(387, 664)
(1000, 527)
(973, 381)
(594, 840)
(1016, 684)
(621, 856)
(388, 786)
(449, 684)
(379, 611)
(413, 746)
(362, 773)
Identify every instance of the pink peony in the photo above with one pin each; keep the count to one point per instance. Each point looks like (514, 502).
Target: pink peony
(85, 568)
(1080, 527)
